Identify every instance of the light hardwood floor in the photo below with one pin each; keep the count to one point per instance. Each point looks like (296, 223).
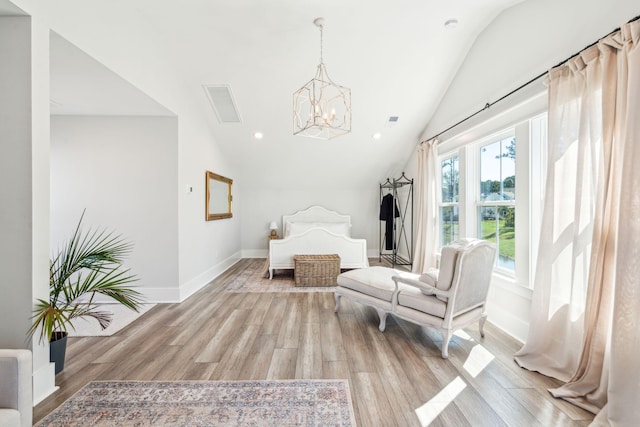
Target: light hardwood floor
(216, 335)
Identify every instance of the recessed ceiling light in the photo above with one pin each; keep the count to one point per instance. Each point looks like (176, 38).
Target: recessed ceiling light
(258, 135)
(451, 23)
(376, 135)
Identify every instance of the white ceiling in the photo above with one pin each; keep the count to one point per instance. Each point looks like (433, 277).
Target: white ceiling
(9, 9)
(82, 85)
(397, 58)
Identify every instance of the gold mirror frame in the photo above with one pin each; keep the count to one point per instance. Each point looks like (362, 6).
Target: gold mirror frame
(218, 205)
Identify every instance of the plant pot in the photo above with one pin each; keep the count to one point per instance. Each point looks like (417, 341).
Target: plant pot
(57, 350)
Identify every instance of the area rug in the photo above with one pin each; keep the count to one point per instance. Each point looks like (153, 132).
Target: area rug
(207, 403)
(122, 316)
(252, 279)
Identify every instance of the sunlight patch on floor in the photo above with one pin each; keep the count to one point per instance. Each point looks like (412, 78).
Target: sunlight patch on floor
(462, 334)
(479, 358)
(430, 410)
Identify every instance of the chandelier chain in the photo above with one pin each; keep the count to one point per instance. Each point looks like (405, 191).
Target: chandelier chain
(321, 59)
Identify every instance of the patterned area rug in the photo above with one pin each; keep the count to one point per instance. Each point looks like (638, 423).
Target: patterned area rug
(253, 279)
(207, 403)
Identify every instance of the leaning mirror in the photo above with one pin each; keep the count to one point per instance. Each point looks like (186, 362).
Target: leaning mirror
(218, 196)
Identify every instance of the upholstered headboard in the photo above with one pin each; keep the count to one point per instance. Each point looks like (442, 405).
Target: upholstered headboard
(314, 214)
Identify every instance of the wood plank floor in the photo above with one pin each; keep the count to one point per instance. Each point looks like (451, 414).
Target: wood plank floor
(397, 378)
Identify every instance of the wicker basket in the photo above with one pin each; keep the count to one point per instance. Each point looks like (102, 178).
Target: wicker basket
(316, 270)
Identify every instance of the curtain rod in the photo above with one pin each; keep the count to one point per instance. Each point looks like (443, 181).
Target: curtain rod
(522, 86)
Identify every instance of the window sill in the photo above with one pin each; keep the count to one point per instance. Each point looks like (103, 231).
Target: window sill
(509, 283)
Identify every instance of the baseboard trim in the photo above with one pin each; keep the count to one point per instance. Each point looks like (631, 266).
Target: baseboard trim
(200, 281)
(373, 253)
(507, 322)
(160, 295)
(254, 253)
(44, 382)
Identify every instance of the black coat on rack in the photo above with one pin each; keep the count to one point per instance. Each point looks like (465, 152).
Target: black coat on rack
(388, 212)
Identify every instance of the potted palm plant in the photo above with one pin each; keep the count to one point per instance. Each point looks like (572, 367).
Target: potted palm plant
(88, 264)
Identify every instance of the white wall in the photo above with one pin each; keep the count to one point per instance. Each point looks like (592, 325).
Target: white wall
(519, 44)
(124, 172)
(24, 190)
(206, 248)
(262, 205)
(15, 180)
(43, 377)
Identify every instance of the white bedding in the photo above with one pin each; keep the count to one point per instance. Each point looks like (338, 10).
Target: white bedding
(317, 231)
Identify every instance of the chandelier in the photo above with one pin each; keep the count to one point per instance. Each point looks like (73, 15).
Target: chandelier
(321, 108)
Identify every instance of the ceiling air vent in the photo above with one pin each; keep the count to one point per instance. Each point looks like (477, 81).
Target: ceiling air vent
(222, 102)
(393, 120)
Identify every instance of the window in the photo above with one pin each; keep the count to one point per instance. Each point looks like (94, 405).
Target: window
(497, 198)
(492, 189)
(449, 215)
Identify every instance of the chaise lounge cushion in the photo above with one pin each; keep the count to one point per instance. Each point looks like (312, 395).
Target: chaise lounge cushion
(414, 298)
(448, 260)
(430, 277)
(442, 278)
(373, 281)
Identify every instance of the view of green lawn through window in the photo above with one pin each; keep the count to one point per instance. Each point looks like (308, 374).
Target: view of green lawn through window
(497, 213)
(499, 228)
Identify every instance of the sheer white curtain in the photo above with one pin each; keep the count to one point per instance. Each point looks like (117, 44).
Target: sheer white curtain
(556, 326)
(583, 329)
(428, 195)
(622, 364)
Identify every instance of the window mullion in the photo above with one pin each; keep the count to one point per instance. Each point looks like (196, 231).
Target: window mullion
(523, 146)
(468, 193)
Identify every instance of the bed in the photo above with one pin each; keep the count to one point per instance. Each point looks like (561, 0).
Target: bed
(317, 231)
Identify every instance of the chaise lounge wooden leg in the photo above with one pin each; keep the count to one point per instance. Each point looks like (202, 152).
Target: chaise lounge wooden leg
(335, 310)
(383, 319)
(446, 338)
(481, 326)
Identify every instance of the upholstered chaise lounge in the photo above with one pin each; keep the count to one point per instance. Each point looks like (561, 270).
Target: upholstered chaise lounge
(448, 298)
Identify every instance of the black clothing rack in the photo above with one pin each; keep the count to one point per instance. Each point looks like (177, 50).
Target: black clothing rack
(400, 230)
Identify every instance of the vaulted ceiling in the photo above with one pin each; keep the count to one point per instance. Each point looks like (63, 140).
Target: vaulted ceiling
(396, 57)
